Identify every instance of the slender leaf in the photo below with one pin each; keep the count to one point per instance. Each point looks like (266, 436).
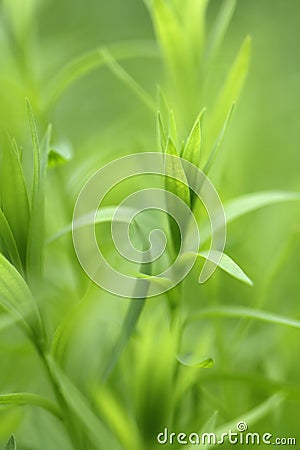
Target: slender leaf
(90, 61)
(161, 132)
(220, 27)
(245, 204)
(99, 435)
(231, 90)
(14, 197)
(24, 399)
(229, 266)
(35, 246)
(219, 141)
(185, 360)
(127, 79)
(192, 149)
(245, 313)
(11, 444)
(9, 244)
(16, 299)
(173, 168)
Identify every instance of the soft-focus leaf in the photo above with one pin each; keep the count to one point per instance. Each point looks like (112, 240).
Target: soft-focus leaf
(245, 313)
(192, 149)
(90, 61)
(59, 155)
(218, 144)
(220, 27)
(173, 168)
(14, 197)
(203, 364)
(24, 399)
(245, 204)
(231, 90)
(96, 430)
(161, 132)
(229, 266)
(8, 243)
(35, 246)
(11, 444)
(16, 298)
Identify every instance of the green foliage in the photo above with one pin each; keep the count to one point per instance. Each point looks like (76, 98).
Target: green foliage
(96, 372)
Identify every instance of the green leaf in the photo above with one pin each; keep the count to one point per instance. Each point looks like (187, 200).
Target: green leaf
(208, 427)
(220, 27)
(98, 433)
(231, 90)
(161, 132)
(90, 61)
(24, 399)
(218, 144)
(245, 204)
(35, 245)
(16, 299)
(173, 168)
(204, 364)
(172, 130)
(9, 244)
(192, 149)
(59, 155)
(127, 79)
(15, 204)
(11, 444)
(228, 265)
(245, 313)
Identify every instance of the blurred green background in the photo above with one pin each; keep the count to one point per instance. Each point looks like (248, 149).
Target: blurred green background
(99, 119)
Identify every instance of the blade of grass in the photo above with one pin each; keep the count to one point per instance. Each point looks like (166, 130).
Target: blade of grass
(96, 431)
(247, 313)
(219, 142)
(90, 61)
(16, 299)
(127, 79)
(245, 204)
(9, 243)
(36, 241)
(14, 196)
(24, 399)
(11, 444)
(220, 27)
(230, 91)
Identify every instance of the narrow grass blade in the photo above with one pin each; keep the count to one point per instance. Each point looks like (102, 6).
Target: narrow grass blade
(231, 90)
(173, 168)
(203, 364)
(245, 204)
(229, 266)
(36, 241)
(9, 244)
(220, 27)
(90, 61)
(11, 444)
(24, 399)
(192, 149)
(162, 140)
(14, 196)
(16, 299)
(172, 129)
(127, 79)
(219, 142)
(245, 313)
(97, 432)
